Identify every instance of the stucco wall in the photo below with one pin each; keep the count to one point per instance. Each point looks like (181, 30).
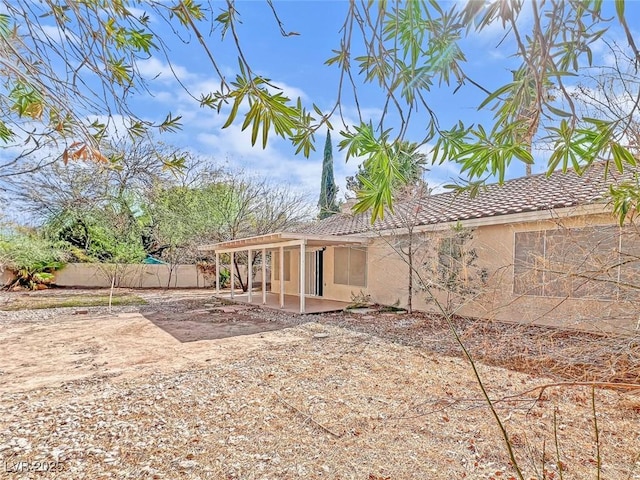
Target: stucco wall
(132, 276)
(491, 279)
(495, 298)
(496, 245)
(334, 291)
(291, 286)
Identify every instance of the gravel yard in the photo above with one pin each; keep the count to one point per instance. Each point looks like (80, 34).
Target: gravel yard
(134, 394)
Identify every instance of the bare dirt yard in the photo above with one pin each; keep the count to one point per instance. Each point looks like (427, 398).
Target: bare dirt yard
(186, 386)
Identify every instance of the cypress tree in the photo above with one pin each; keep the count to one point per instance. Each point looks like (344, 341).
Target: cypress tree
(328, 188)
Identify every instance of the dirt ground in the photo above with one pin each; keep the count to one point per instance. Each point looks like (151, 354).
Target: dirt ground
(188, 387)
(80, 342)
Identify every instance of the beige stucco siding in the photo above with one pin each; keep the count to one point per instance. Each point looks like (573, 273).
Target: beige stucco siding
(490, 279)
(496, 245)
(97, 275)
(336, 291)
(90, 275)
(292, 285)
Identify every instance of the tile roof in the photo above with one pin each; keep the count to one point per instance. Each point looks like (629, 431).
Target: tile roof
(526, 194)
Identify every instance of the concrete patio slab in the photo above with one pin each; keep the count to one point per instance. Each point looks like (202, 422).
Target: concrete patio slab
(291, 302)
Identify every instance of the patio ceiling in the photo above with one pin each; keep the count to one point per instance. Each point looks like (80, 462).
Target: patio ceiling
(283, 239)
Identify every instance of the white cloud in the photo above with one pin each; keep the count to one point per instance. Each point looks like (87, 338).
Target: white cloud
(289, 91)
(153, 68)
(276, 162)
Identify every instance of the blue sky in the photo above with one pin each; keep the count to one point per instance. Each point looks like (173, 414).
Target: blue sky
(296, 64)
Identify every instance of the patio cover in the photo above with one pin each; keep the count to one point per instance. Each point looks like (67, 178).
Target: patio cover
(278, 241)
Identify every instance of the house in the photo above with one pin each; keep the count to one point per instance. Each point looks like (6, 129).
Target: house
(538, 249)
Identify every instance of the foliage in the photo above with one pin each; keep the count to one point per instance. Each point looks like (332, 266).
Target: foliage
(66, 63)
(208, 269)
(625, 198)
(328, 189)
(217, 207)
(406, 158)
(108, 236)
(359, 300)
(404, 49)
(454, 259)
(30, 258)
(122, 212)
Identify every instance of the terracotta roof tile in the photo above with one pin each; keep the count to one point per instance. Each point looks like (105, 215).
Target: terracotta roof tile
(525, 194)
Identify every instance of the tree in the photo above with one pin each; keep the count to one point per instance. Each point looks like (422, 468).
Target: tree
(135, 168)
(328, 188)
(410, 163)
(52, 90)
(31, 258)
(218, 206)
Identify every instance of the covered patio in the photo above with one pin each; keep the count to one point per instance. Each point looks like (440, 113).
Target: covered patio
(277, 243)
(291, 303)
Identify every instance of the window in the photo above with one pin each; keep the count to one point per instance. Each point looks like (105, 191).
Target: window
(350, 266)
(578, 262)
(275, 261)
(528, 277)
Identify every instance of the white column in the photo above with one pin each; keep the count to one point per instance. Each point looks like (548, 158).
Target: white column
(264, 276)
(303, 261)
(217, 272)
(281, 277)
(232, 274)
(249, 275)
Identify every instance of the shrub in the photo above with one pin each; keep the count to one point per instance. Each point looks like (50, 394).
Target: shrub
(30, 258)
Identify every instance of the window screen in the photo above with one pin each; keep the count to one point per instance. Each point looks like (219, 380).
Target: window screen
(350, 266)
(576, 262)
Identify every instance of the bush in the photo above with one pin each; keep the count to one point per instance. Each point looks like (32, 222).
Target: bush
(30, 258)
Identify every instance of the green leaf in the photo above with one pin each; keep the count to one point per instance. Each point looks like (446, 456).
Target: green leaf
(5, 25)
(6, 134)
(170, 123)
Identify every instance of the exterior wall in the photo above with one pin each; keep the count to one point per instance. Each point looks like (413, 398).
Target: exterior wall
(291, 286)
(132, 276)
(496, 300)
(496, 246)
(336, 291)
(490, 293)
(331, 290)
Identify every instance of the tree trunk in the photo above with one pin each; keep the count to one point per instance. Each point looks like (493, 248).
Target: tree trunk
(243, 285)
(410, 259)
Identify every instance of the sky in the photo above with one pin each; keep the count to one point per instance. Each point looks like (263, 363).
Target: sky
(296, 64)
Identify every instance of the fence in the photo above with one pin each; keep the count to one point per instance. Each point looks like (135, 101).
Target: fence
(100, 275)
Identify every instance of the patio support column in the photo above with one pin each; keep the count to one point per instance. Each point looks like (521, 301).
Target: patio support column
(281, 277)
(249, 275)
(264, 276)
(232, 275)
(303, 277)
(217, 273)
